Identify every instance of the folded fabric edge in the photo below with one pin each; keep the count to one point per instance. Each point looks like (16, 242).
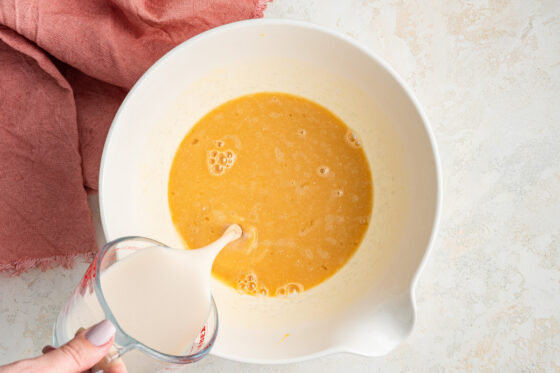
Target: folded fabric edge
(67, 261)
(261, 7)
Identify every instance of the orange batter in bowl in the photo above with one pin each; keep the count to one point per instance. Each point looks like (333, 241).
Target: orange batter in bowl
(291, 173)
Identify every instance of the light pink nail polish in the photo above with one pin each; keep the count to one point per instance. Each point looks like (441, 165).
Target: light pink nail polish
(101, 333)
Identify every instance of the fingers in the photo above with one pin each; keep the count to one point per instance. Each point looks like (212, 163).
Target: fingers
(81, 353)
(49, 348)
(116, 366)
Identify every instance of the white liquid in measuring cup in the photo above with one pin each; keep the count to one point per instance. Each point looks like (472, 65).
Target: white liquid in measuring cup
(160, 297)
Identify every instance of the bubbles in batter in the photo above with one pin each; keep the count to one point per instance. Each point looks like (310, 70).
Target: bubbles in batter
(289, 290)
(301, 131)
(217, 169)
(263, 291)
(223, 160)
(323, 171)
(219, 161)
(339, 193)
(353, 140)
(250, 285)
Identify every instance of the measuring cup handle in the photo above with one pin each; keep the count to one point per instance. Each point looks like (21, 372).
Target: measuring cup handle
(112, 357)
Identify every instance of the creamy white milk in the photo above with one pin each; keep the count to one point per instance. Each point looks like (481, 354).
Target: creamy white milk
(160, 296)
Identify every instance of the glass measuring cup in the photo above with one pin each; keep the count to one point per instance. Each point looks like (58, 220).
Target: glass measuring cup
(88, 306)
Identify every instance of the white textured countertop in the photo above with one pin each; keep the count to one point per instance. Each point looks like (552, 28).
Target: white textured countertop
(488, 75)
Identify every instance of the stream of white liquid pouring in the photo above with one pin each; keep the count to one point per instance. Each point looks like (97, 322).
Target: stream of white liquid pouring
(160, 296)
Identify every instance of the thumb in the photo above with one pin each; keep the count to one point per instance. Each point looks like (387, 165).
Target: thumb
(81, 353)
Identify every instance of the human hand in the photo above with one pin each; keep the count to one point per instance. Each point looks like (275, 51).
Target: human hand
(85, 353)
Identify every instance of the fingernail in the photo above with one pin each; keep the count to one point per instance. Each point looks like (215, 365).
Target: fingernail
(101, 333)
(47, 349)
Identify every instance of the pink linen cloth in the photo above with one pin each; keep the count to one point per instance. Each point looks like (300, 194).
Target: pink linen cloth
(65, 67)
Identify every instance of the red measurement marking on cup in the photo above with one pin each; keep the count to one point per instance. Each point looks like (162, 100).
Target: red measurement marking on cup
(202, 337)
(87, 280)
(199, 342)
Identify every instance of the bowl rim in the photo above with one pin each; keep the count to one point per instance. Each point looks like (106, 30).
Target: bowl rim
(384, 65)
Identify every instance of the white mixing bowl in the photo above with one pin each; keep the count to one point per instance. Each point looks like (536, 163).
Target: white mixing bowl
(366, 308)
